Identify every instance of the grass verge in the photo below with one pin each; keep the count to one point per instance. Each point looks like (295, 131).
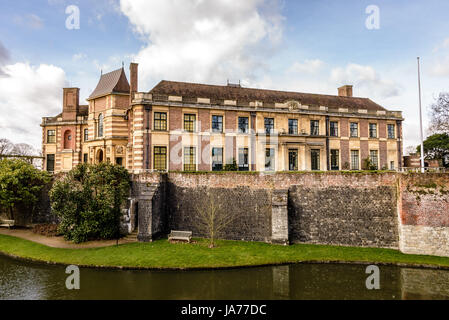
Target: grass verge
(163, 255)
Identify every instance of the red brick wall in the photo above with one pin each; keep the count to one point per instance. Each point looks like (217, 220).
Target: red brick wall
(204, 120)
(175, 119)
(363, 128)
(175, 153)
(383, 154)
(364, 150)
(344, 128)
(425, 200)
(382, 129)
(345, 156)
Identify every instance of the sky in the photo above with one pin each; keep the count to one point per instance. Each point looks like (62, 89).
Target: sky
(305, 46)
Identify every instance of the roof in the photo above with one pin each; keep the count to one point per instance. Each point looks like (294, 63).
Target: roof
(195, 90)
(112, 82)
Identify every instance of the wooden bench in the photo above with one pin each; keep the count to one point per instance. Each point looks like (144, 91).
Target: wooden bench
(180, 235)
(6, 223)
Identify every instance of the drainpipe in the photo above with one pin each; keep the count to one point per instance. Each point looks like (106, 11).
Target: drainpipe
(327, 143)
(147, 162)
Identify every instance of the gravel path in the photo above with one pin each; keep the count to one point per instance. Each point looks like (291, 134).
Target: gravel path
(58, 242)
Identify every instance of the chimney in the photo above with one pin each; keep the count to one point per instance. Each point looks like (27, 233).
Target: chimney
(133, 74)
(345, 91)
(71, 103)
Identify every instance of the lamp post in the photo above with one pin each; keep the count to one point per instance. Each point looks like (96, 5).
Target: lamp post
(420, 119)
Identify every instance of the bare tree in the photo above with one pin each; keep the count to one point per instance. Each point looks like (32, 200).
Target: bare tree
(23, 149)
(213, 216)
(6, 147)
(440, 114)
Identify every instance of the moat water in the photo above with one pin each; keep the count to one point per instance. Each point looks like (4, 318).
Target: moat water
(33, 281)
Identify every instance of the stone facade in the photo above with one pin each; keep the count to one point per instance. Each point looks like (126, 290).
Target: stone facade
(352, 209)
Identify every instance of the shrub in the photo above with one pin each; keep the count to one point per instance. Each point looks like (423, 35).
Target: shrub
(231, 166)
(88, 201)
(20, 185)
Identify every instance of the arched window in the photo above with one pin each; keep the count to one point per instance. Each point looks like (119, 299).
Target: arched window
(68, 139)
(100, 125)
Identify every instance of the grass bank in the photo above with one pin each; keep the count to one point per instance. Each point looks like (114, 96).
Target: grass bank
(163, 255)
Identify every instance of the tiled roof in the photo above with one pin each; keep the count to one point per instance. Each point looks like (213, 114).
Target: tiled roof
(112, 82)
(194, 90)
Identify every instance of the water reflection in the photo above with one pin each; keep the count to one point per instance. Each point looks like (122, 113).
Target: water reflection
(23, 280)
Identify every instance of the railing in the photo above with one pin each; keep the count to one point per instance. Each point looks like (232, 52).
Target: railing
(427, 170)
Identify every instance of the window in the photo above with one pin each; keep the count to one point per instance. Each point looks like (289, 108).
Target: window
(217, 159)
(119, 161)
(292, 126)
(50, 162)
(217, 124)
(335, 160)
(293, 160)
(160, 121)
(315, 159)
(269, 125)
(269, 159)
(86, 134)
(160, 158)
(391, 134)
(334, 129)
(354, 128)
(373, 130)
(189, 122)
(314, 128)
(392, 165)
(100, 125)
(355, 160)
(189, 159)
(374, 159)
(85, 157)
(51, 136)
(243, 159)
(243, 125)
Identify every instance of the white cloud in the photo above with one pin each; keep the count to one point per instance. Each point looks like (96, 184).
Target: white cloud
(366, 80)
(308, 66)
(31, 21)
(207, 41)
(79, 56)
(26, 95)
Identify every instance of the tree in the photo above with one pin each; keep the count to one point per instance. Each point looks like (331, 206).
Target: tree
(6, 147)
(88, 201)
(23, 149)
(436, 147)
(440, 114)
(20, 185)
(213, 216)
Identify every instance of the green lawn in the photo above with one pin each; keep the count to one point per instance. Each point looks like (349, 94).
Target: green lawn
(161, 254)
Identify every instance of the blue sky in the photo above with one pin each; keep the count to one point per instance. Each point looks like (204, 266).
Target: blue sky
(308, 46)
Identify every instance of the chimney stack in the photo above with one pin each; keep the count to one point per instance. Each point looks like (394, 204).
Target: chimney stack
(345, 91)
(71, 103)
(133, 74)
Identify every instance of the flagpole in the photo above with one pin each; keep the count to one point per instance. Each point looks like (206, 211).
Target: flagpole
(420, 119)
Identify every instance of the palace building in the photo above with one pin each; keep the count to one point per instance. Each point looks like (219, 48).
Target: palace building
(180, 126)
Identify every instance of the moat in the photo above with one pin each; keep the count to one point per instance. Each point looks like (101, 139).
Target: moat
(25, 280)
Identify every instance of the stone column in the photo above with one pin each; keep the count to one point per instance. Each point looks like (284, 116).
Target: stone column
(279, 217)
(145, 192)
